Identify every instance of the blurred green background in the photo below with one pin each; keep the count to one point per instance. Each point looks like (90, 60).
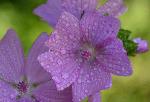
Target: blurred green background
(18, 14)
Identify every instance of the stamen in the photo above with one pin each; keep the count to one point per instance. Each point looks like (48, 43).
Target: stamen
(86, 54)
(22, 87)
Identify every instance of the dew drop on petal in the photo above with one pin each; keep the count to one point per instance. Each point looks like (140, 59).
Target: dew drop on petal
(86, 91)
(12, 96)
(88, 81)
(79, 81)
(56, 79)
(65, 76)
(63, 51)
(59, 62)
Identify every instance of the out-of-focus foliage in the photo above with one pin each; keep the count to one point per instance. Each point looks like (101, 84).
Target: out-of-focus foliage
(18, 14)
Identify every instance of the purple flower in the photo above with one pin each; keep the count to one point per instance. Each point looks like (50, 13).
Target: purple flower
(85, 53)
(24, 80)
(113, 7)
(52, 10)
(142, 45)
(94, 98)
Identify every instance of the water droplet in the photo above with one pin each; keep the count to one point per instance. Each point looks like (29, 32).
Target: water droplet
(63, 51)
(87, 76)
(57, 36)
(65, 76)
(12, 96)
(86, 91)
(79, 81)
(95, 69)
(71, 36)
(109, 65)
(61, 88)
(80, 60)
(59, 62)
(92, 74)
(56, 79)
(88, 81)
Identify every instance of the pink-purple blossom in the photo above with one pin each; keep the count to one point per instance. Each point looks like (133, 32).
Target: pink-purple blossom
(23, 79)
(51, 11)
(84, 53)
(142, 45)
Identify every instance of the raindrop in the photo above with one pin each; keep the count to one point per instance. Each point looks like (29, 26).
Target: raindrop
(59, 62)
(63, 51)
(79, 81)
(56, 79)
(65, 76)
(12, 96)
(88, 81)
(86, 91)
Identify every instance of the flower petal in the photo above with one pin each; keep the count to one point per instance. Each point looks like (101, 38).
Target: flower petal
(79, 7)
(50, 11)
(47, 92)
(90, 81)
(97, 27)
(94, 98)
(7, 94)
(25, 99)
(142, 45)
(63, 68)
(113, 7)
(60, 60)
(11, 58)
(113, 58)
(66, 34)
(34, 70)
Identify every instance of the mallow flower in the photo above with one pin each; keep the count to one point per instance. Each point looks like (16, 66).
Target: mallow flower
(114, 8)
(23, 79)
(84, 53)
(142, 45)
(51, 11)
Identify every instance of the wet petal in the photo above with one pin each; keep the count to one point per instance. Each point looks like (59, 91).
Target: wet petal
(66, 34)
(7, 93)
(60, 60)
(97, 27)
(113, 7)
(94, 98)
(25, 99)
(34, 70)
(90, 81)
(113, 58)
(63, 68)
(47, 92)
(11, 58)
(50, 11)
(79, 7)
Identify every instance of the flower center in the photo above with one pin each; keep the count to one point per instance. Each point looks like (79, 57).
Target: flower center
(86, 54)
(22, 87)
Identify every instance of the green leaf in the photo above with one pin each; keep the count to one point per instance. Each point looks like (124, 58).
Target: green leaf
(129, 45)
(124, 34)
